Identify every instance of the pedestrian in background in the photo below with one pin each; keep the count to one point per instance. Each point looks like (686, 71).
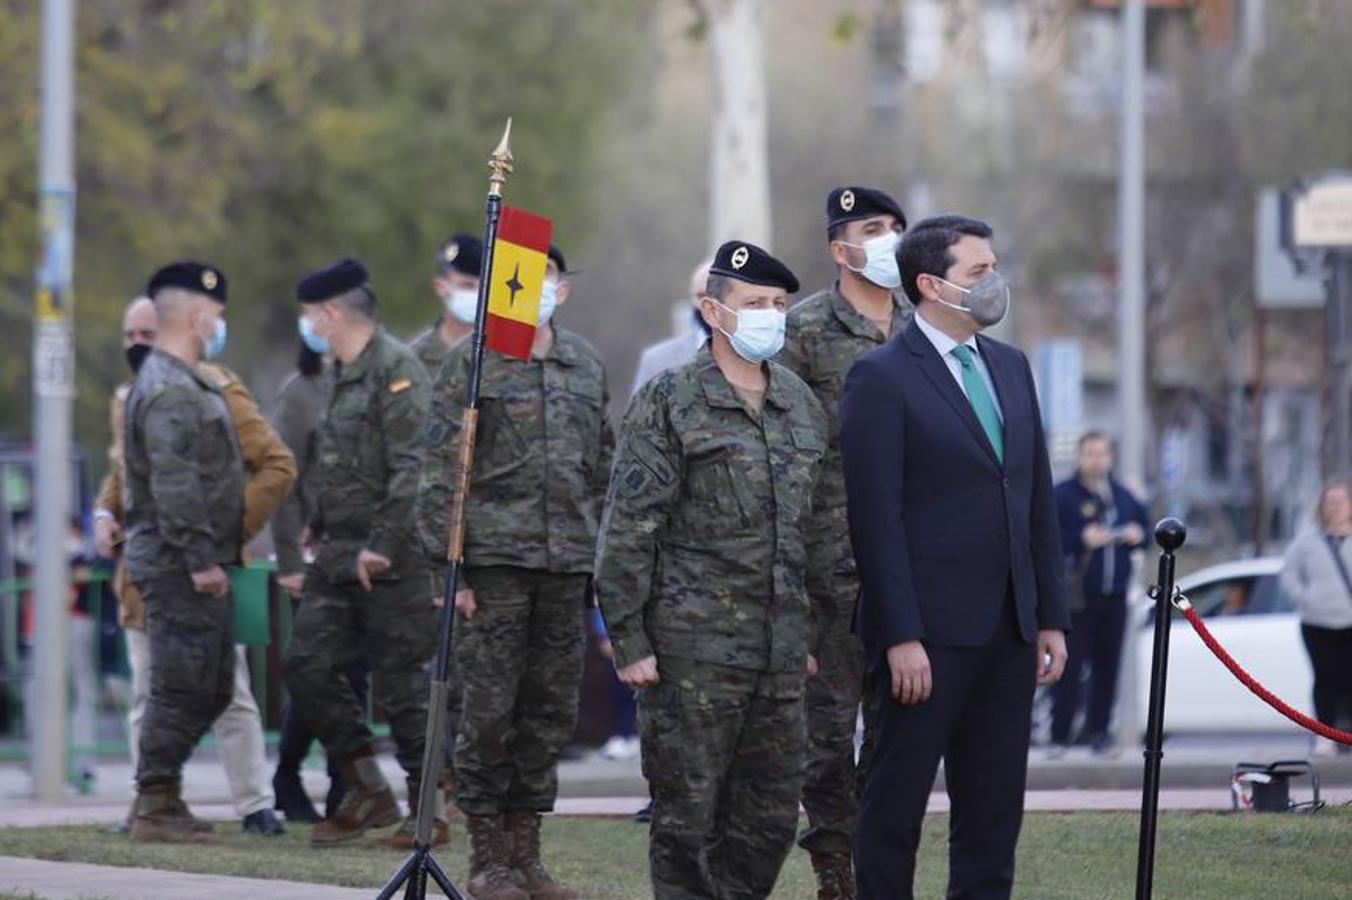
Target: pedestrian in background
(1102, 523)
(1317, 577)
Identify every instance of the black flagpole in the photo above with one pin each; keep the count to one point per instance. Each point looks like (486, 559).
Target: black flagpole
(420, 864)
(1170, 535)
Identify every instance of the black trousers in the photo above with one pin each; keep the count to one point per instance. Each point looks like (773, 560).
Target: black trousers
(1330, 652)
(295, 738)
(1094, 643)
(977, 720)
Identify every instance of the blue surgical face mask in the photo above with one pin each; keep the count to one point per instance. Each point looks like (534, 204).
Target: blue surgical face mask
(549, 301)
(463, 305)
(880, 266)
(307, 335)
(759, 334)
(215, 345)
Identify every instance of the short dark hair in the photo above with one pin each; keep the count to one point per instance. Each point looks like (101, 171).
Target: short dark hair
(360, 300)
(1093, 434)
(925, 248)
(836, 232)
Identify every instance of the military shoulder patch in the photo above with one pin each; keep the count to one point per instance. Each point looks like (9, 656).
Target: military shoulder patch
(400, 385)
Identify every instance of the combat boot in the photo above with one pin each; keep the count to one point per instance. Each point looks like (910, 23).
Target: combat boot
(835, 876)
(490, 872)
(161, 816)
(523, 830)
(408, 829)
(368, 803)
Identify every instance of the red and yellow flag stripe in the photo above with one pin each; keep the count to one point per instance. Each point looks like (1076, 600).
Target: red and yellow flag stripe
(520, 253)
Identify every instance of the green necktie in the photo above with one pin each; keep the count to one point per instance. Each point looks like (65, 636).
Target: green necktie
(980, 398)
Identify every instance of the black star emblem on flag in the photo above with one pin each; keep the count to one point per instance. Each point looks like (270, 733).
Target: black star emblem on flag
(514, 285)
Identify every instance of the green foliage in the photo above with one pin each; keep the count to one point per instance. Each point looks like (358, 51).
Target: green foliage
(271, 138)
(1061, 856)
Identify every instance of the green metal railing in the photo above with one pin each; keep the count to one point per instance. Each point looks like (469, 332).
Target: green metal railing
(264, 657)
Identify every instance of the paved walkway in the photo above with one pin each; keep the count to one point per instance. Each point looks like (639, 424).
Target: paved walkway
(78, 881)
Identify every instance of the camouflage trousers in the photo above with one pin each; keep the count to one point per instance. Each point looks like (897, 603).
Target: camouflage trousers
(520, 660)
(394, 627)
(723, 753)
(192, 673)
(832, 781)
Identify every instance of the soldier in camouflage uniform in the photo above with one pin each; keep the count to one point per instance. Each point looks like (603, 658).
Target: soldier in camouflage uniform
(542, 462)
(368, 591)
(701, 570)
(457, 285)
(183, 499)
(827, 332)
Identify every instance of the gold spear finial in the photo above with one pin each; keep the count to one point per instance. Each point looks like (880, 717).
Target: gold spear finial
(500, 162)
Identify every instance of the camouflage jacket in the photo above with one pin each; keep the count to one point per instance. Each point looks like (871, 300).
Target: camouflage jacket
(183, 488)
(702, 552)
(300, 409)
(431, 350)
(541, 458)
(825, 336)
(370, 456)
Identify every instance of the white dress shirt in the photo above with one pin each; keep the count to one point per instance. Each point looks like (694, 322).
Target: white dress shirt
(945, 344)
(668, 354)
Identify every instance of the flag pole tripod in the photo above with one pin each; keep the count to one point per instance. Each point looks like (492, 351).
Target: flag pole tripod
(420, 865)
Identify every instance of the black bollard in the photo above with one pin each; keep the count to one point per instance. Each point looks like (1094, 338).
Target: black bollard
(1169, 534)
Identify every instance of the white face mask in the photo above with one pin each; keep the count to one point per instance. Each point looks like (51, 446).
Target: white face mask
(463, 305)
(549, 301)
(880, 266)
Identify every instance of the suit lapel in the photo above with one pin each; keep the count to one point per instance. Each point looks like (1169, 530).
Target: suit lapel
(939, 374)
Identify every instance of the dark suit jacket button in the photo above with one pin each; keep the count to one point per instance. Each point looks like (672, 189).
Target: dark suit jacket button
(1005, 481)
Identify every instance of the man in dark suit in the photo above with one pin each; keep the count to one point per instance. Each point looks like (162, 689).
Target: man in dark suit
(954, 529)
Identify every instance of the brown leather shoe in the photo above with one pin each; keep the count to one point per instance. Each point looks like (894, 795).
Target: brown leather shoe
(490, 872)
(835, 876)
(369, 803)
(403, 839)
(523, 830)
(161, 816)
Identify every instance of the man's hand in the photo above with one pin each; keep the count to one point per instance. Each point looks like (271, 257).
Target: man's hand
(640, 674)
(107, 536)
(211, 581)
(1132, 535)
(1095, 536)
(370, 563)
(911, 680)
(293, 584)
(464, 602)
(1051, 655)
(810, 666)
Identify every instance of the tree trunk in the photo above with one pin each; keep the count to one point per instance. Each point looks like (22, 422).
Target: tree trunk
(739, 173)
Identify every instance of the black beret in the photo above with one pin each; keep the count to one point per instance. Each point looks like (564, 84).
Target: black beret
(846, 204)
(749, 263)
(199, 278)
(557, 255)
(462, 252)
(327, 283)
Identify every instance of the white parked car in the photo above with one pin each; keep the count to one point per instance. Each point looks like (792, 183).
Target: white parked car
(1243, 605)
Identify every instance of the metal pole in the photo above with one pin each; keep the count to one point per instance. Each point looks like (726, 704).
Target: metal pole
(1131, 251)
(1131, 390)
(1170, 535)
(52, 390)
(1338, 445)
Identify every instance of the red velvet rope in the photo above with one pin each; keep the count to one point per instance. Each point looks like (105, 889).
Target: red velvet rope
(1263, 693)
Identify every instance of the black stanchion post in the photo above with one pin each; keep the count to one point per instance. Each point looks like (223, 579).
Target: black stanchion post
(1170, 535)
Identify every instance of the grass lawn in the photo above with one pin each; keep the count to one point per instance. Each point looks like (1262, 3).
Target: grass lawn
(1080, 856)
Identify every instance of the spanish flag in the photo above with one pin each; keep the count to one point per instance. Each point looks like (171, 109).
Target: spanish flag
(520, 252)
